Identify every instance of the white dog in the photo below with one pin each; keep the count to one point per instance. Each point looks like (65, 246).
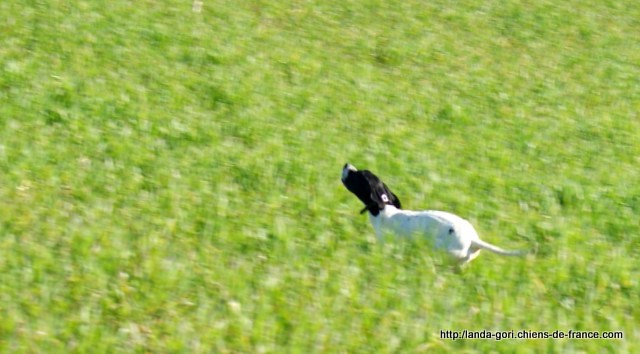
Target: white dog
(449, 232)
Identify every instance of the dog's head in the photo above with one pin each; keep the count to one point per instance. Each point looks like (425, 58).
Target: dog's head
(369, 189)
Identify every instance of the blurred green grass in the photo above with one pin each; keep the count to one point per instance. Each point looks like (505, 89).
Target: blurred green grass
(170, 178)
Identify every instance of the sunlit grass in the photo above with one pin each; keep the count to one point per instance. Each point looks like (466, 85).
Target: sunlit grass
(170, 178)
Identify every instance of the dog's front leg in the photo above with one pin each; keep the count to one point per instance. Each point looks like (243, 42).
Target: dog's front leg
(377, 227)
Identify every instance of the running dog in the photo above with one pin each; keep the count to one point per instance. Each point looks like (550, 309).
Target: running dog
(448, 232)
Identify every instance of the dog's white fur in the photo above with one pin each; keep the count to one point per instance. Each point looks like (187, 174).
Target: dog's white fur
(447, 231)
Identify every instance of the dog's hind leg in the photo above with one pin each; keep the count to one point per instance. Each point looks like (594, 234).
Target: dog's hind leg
(473, 253)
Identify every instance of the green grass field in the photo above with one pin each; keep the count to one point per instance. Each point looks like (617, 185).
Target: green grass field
(170, 178)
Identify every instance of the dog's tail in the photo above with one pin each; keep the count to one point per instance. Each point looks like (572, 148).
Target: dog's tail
(495, 249)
